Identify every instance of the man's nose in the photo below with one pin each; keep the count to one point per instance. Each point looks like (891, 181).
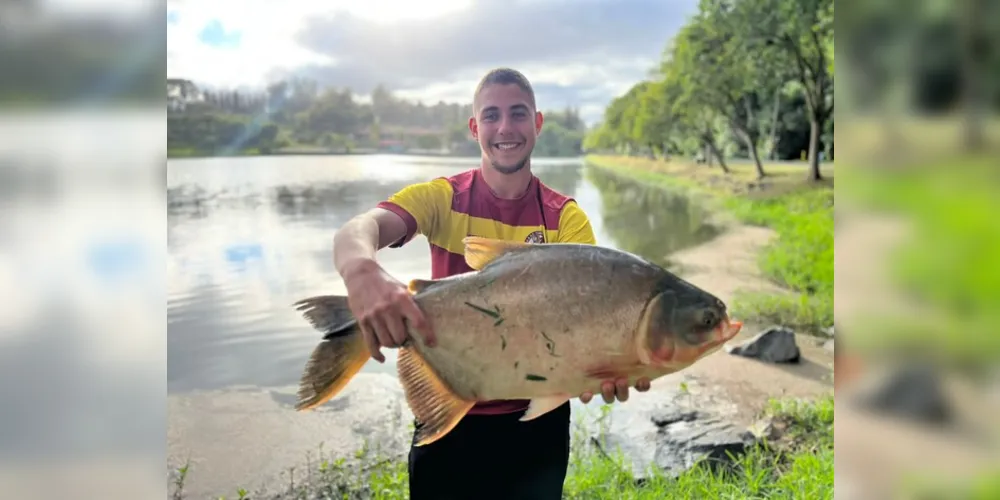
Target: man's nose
(505, 125)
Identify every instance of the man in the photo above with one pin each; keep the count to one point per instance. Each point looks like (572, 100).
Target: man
(490, 453)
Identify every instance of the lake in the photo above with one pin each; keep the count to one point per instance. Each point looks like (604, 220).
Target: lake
(248, 236)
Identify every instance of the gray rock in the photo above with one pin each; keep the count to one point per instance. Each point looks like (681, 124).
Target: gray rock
(913, 393)
(774, 345)
(674, 440)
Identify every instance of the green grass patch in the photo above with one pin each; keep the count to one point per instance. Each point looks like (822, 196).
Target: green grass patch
(949, 268)
(800, 258)
(797, 465)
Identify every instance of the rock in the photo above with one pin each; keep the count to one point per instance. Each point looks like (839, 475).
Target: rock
(913, 392)
(673, 440)
(774, 345)
(828, 331)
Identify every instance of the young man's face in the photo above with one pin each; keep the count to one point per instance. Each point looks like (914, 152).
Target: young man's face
(506, 125)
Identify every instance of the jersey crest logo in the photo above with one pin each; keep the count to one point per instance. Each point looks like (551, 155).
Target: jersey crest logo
(535, 237)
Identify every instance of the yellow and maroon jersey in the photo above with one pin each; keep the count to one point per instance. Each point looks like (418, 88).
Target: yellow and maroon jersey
(446, 210)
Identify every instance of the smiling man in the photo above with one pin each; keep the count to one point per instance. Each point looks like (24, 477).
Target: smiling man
(490, 453)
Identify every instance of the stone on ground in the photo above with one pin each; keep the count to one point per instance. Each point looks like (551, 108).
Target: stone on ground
(774, 345)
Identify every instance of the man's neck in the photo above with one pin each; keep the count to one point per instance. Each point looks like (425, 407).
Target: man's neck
(507, 186)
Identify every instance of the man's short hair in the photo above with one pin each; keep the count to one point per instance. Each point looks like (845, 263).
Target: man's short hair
(504, 76)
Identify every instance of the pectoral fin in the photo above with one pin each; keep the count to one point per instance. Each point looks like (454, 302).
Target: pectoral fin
(436, 407)
(541, 406)
(481, 251)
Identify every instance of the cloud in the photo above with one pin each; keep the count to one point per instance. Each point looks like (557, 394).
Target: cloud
(575, 52)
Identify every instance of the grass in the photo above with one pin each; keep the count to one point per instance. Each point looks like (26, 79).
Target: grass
(800, 212)
(948, 270)
(799, 464)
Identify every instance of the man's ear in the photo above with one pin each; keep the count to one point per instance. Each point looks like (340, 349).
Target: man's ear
(539, 119)
(474, 127)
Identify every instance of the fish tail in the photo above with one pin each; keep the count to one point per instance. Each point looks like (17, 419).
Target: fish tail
(337, 358)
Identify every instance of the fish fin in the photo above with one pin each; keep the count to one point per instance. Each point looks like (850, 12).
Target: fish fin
(419, 285)
(435, 405)
(334, 362)
(541, 406)
(481, 251)
(329, 314)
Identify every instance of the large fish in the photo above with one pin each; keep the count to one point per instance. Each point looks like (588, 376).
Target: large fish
(545, 322)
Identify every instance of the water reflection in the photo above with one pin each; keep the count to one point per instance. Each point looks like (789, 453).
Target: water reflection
(249, 236)
(649, 221)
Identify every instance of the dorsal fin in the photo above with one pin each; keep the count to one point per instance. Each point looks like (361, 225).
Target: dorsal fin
(481, 251)
(418, 285)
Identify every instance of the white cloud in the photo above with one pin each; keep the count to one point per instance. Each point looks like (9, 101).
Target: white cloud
(268, 34)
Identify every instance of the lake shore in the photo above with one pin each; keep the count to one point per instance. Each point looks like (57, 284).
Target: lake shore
(252, 438)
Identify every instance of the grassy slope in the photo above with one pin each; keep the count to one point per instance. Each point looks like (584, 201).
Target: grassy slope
(801, 213)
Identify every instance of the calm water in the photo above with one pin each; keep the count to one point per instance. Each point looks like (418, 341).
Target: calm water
(247, 237)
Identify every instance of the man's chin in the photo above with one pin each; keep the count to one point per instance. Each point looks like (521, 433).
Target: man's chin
(509, 168)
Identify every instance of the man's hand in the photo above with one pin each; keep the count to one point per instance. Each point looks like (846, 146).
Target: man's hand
(617, 389)
(381, 304)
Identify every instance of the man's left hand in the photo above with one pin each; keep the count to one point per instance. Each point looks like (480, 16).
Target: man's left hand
(616, 389)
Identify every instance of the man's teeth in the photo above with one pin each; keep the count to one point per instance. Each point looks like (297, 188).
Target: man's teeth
(506, 145)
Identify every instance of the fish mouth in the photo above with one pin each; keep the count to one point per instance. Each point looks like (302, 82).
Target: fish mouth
(728, 329)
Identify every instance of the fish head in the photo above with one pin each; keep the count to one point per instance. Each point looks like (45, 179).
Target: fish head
(683, 324)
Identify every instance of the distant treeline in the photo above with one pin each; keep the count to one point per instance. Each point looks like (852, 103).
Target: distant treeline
(297, 113)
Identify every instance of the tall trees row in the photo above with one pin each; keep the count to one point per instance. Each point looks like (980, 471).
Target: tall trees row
(750, 75)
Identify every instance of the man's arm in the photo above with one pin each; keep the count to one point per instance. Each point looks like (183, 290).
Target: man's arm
(378, 301)
(357, 241)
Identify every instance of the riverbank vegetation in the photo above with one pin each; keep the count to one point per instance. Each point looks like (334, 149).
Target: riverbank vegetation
(298, 116)
(796, 463)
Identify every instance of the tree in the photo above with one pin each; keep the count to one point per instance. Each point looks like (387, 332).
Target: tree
(801, 31)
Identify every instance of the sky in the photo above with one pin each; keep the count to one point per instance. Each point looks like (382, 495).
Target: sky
(579, 53)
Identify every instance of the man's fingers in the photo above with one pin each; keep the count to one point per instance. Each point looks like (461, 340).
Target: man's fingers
(419, 322)
(397, 331)
(608, 392)
(643, 384)
(372, 342)
(381, 332)
(621, 389)
(586, 397)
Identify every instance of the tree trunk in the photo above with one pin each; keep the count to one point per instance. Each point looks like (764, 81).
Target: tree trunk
(815, 126)
(973, 100)
(774, 126)
(756, 158)
(718, 154)
(751, 142)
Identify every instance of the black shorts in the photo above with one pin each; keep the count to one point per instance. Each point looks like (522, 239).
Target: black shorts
(495, 457)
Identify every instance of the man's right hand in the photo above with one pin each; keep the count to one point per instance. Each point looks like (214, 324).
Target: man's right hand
(381, 304)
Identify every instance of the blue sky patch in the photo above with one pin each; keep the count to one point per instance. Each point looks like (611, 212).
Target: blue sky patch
(215, 34)
(173, 17)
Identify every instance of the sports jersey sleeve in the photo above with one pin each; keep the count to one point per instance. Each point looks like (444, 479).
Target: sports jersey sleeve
(574, 225)
(420, 206)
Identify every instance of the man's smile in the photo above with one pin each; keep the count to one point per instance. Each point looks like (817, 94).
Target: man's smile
(507, 145)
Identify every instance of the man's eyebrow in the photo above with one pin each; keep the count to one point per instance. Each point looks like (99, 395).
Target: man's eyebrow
(520, 107)
(488, 109)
